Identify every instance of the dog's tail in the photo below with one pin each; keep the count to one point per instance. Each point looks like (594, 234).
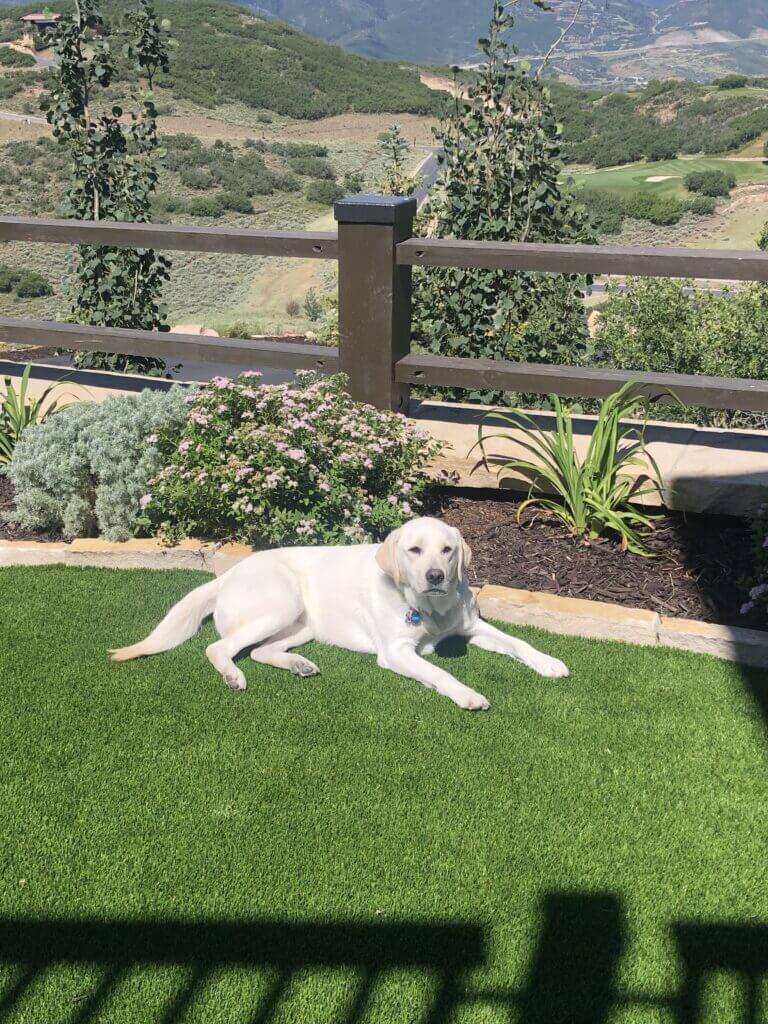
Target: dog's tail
(181, 623)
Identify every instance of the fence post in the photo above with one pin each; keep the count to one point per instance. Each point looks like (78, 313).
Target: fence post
(374, 296)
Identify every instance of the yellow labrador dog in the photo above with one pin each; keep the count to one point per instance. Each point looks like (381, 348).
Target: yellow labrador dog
(396, 600)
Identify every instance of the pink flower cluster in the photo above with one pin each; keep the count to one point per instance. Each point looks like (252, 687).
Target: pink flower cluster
(291, 462)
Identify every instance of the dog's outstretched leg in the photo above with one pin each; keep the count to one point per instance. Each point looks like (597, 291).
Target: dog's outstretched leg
(275, 653)
(222, 652)
(485, 635)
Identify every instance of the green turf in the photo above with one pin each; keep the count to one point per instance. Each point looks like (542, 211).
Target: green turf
(354, 848)
(634, 177)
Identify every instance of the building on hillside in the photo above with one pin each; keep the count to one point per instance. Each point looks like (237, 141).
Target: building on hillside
(35, 28)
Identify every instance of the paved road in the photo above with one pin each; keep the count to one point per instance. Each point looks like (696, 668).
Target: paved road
(11, 115)
(428, 169)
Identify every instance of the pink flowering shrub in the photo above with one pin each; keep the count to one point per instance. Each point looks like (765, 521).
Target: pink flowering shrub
(757, 586)
(297, 463)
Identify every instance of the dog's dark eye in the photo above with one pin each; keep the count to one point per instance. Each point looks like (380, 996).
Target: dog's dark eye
(415, 551)
(447, 551)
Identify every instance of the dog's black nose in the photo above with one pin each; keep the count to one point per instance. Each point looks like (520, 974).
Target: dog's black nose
(435, 577)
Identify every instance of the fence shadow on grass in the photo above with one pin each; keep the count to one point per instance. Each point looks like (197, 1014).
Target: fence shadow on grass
(441, 951)
(571, 977)
(707, 949)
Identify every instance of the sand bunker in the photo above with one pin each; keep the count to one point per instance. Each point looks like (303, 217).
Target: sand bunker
(206, 332)
(663, 177)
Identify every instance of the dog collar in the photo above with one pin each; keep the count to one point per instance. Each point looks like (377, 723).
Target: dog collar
(413, 617)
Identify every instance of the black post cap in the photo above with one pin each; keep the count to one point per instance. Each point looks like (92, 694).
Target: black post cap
(367, 209)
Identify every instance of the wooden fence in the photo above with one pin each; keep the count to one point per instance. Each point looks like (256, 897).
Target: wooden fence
(376, 252)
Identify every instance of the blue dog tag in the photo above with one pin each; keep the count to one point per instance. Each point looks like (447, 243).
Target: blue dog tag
(413, 617)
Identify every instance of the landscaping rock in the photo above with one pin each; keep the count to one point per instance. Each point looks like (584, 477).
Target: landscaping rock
(228, 555)
(731, 643)
(595, 619)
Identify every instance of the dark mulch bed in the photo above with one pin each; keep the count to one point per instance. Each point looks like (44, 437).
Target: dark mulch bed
(701, 559)
(696, 574)
(8, 532)
(26, 355)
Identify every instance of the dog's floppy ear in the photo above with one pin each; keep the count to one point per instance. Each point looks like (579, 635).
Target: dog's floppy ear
(386, 557)
(465, 556)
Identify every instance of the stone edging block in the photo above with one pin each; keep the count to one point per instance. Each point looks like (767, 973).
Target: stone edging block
(732, 643)
(600, 621)
(104, 554)
(570, 615)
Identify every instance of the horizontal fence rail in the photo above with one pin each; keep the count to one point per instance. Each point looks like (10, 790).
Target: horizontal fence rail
(376, 252)
(578, 381)
(585, 259)
(240, 352)
(322, 245)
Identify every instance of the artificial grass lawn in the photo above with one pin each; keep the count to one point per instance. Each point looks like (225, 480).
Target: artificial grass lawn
(352, 847)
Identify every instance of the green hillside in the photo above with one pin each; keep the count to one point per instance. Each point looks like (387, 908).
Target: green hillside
(226, 54)
(660, 121)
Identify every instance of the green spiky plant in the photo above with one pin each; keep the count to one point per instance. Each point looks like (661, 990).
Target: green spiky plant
(18, 411)
(595, 494)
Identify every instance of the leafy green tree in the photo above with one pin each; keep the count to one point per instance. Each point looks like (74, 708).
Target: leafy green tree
(113, 177)
(762, 240)
(667, 326)
(313, 307)
(396, 181)
(500, 180)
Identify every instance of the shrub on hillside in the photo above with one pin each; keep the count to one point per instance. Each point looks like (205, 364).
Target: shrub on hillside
(292, 149)
(10, 87)
(27, 284)
(10, 58)
(198, 178)
(84, 470)
(731, 82)
(8, 278)
(605, 209)
(239, 329)
(312, 167)
(32, 285)
(206, 206)
(325, 192)
(165, 203)
(710, 183)
(703, 206)
(238, 202)
(285, 182)
(183, 141)
(654, 326)
(657, 209)
(289, 463)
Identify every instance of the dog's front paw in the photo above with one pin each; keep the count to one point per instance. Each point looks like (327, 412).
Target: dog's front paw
(469, 700)
(550, 668)
(235, 680)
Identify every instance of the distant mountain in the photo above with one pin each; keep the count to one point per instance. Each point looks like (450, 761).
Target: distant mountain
(740, 19)
(445, 31)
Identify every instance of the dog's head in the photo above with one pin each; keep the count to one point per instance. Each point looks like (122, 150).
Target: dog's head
(427, 556)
